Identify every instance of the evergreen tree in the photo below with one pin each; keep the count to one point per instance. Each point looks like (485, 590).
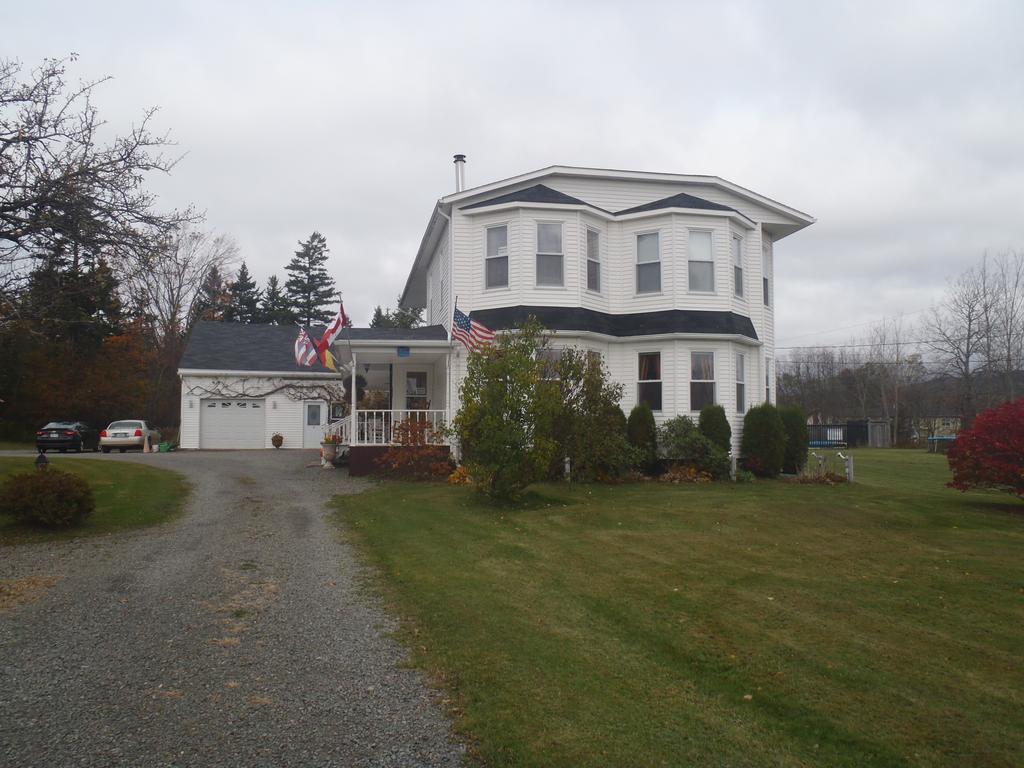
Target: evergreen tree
(214, 298)
(309, 289)
(245, 298)
(400, 317)
(381, 319)
(274, 307)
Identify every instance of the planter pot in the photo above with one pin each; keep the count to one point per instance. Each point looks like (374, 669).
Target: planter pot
(330, 451)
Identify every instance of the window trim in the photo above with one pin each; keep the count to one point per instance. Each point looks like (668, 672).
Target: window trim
(714, 283)
(637, 263)
(508, 260)
(537, 252)
(659, 381)
(713, 381)
(736, 254)
(587, 229)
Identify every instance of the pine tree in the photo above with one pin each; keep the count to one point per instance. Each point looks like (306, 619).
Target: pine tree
(274, 306)
(309, 288)
(381, 319)
(245, 298)
(214, 298)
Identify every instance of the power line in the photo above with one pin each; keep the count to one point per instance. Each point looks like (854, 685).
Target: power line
(855, 325)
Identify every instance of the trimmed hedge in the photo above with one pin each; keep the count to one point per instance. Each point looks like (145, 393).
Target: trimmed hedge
(643, 435)
(763, 445)
(714, 425)
(798, 440)
(685, 445)
(49, 498)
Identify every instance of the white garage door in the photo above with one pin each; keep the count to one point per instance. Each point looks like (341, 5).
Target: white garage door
(232, 424)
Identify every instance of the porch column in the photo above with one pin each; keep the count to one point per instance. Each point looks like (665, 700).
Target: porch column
(352, 393)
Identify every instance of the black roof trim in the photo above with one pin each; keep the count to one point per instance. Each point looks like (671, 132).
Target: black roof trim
(538, 193)
(219, 346)
(682, 200)
(633, 324)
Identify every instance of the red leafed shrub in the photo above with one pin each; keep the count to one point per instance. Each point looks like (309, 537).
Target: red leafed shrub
(991, 453)
(418, 453)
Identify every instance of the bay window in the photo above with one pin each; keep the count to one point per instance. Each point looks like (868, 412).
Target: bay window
(648, 263)
(741, 383)
(737, 265)
(550, 259)
(593, 260)
(496, 257)
(701, 262)
(702, 380)
(648, 386)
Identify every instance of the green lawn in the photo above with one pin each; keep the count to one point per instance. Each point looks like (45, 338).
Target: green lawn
(12, 445)
(880, 624)
(127, 496)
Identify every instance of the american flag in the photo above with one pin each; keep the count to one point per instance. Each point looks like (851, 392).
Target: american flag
(305, 352)
(469, 332)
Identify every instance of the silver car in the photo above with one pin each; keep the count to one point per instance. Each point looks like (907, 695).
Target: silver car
(128, 434)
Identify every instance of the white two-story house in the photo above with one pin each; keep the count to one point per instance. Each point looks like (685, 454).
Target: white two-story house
(668, 276)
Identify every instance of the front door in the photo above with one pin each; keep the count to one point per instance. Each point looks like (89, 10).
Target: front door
(314, 419)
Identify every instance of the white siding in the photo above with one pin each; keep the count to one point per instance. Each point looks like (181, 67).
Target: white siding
(283, 414)
(438, 310)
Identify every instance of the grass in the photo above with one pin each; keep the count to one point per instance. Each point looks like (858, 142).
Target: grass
(769, 624)
(127, 496)
(12, 445)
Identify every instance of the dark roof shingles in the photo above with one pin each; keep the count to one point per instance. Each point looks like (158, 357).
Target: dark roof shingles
(538, 193)
(217, 346)
(682, 200)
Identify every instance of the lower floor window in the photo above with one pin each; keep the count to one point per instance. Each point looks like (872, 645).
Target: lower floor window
(741, 384)
(702, 380)
(649, 379)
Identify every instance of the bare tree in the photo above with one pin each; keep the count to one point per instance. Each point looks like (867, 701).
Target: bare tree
(954, 330)
(62, 188)
(168, 282)
(1005, 321)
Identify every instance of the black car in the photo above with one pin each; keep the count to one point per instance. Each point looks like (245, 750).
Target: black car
(62, 435)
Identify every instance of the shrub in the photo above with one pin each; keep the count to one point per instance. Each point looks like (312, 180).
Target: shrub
(991, 453)
(460, 477)
(715, 426)
(764, 441)
(277, 439)
(508, 411)
(590, 429)
(682, 443)
(643, 436)
(49, 498)
(794, 421)
(417, 452)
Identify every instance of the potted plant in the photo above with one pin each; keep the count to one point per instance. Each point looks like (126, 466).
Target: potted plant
(277, 439)
(330, 447)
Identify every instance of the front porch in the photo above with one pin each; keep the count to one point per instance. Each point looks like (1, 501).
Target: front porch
(395, 393)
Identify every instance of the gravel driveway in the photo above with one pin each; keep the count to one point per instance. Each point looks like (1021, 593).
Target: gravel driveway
(237, 635)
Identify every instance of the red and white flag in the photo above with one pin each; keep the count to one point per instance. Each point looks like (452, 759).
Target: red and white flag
(334, 327)
(305, 352)
(470, 333)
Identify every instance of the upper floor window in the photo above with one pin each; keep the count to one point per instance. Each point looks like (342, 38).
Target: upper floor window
(741, 383)
(648, 387)
(702, 380)
(648, 263)
(766, 274)
(737, 265)
(701, 262)
(496, 261)
(593, 260)
(549, 253)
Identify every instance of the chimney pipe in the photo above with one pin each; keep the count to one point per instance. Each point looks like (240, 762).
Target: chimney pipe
(460, 172)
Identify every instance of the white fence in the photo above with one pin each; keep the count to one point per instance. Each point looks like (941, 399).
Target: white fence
(381, 427)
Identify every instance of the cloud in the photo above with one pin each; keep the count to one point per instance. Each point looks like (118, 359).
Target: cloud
(899, 126)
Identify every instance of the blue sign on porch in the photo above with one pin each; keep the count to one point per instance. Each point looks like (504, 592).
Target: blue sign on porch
(403, 351)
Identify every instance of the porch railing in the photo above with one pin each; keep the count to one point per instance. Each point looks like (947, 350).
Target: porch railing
(380, 427)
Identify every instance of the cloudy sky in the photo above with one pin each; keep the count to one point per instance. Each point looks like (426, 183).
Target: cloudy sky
(900, 126)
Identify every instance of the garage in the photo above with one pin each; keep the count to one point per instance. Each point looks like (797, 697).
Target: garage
(234, 423)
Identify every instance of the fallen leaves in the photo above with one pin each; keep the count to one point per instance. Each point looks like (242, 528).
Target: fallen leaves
(15, 592)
